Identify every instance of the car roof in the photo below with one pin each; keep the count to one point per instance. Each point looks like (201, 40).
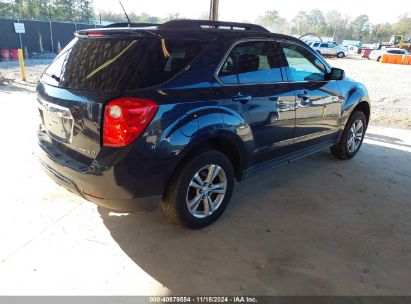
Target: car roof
(203, 29)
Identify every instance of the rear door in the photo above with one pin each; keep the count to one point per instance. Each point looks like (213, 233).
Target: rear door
(318, 100)
(252, 82)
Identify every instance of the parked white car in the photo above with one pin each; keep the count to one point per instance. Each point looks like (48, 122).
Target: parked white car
(377, 54)
(337, 45)
(352, 44)
(329, 49)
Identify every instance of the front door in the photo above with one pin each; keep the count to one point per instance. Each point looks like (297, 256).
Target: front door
(252, 83)
(318, 101)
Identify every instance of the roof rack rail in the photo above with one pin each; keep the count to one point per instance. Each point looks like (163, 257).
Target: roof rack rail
(126, 24)
(207, 24)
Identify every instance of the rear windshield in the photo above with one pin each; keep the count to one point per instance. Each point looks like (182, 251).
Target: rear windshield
(108, 64)
(93, 64)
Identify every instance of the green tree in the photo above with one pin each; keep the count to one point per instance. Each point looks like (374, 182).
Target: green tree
(311, 22)
(300, 23)
(380, 32)
(6, 9)
(84, 11)
(361, 27)
(115, 17)
(146, 18)
(317, 22)
(403, 27)
(17, 8)
(274, 22)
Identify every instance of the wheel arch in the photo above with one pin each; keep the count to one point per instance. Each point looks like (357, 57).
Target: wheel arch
(364, 107)
(223, 142)
(357, 100)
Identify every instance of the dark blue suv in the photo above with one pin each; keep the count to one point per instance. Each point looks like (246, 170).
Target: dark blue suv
(138, 114)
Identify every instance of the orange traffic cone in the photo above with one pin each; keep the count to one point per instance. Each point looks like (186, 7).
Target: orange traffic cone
(58, 47)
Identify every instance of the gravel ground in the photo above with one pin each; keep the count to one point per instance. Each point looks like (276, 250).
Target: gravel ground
(389, 85)
(10, 70)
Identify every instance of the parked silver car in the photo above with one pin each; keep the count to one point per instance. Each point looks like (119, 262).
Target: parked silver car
(329, 49)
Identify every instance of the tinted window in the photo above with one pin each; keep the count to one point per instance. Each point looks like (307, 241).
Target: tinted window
(228, 72)
(396, 52)
(93, 64)
(303, 65)
(164, 59)
(107, 64)
(252, 62)
(324, 45)
(316, 44)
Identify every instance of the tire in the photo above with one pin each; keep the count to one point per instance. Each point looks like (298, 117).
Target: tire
(192, 181)
(379, 59)
(340, 55)
(350, 143)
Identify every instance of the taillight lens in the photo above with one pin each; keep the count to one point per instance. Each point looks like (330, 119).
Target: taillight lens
(125, 119)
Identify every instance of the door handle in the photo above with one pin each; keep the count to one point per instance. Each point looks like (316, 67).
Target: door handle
(242, 98)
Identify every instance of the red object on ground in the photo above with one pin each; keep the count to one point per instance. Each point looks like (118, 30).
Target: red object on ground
(15, 53)
(365, 53)
(5, 53)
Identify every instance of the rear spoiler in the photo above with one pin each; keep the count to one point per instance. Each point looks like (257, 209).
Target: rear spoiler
(116, 32)
(125, 24)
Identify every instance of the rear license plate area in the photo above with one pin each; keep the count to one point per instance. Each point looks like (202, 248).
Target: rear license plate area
(57, 121)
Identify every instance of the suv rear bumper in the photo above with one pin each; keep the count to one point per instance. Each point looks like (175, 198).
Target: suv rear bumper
(100, 188)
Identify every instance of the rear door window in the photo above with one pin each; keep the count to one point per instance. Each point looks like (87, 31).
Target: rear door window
(252, 62)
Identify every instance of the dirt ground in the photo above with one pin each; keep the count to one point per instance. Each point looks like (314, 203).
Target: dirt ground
(10, 70)
(389, 87)
(319, 226)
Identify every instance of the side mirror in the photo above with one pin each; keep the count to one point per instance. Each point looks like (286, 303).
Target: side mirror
(336, 74)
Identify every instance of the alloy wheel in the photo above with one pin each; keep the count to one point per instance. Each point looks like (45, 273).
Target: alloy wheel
(206, 191)
(355, 136)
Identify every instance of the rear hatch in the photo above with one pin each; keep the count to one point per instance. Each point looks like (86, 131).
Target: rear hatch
(88, 72)
(95, 68)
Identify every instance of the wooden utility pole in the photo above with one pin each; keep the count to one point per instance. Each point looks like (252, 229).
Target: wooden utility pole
(213, 10)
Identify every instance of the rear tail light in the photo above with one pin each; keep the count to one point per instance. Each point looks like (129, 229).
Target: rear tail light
(125, 119)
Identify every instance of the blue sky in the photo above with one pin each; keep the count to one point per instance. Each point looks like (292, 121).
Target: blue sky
(242, 10)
